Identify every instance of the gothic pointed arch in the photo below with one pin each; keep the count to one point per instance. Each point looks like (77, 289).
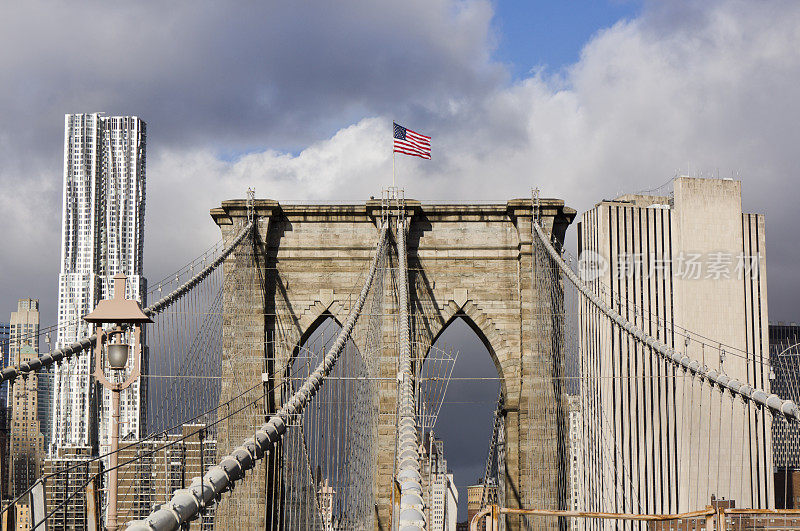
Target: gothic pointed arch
(322, 315)
(483, 327)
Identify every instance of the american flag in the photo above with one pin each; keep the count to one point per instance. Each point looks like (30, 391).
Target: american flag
(409, 142)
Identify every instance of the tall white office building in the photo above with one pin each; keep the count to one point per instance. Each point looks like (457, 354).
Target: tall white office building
(690, 269)
(444, 503)
(102, 234)
(442, 500)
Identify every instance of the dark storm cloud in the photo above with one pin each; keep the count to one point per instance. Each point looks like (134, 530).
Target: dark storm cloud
(465, 420)
(237, 74)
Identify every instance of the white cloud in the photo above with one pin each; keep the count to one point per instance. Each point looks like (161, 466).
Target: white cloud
(347, 166)
(212, 78)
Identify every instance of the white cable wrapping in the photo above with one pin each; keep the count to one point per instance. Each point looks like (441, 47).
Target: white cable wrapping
(412, 516)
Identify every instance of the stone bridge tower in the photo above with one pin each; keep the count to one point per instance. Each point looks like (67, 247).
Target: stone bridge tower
(469, 260)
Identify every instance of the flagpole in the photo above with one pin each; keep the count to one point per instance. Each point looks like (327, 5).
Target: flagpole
(393, 185)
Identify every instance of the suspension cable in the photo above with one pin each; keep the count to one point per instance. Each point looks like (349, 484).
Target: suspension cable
(161, 445)
(153, 437)
(69, 351)
(787, 408)
(411, 515)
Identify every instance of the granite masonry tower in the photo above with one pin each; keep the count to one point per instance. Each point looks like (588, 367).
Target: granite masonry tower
(469, 260)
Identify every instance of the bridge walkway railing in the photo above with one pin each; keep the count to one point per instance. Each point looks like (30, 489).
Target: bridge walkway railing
(711, 518)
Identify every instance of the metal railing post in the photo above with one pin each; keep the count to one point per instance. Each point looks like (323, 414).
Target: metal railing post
(495, 519)
(710, 518)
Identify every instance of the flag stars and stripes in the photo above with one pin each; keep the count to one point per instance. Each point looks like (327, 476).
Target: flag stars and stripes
(410, 142)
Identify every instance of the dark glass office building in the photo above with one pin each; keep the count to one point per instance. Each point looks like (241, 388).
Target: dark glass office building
(784, 353)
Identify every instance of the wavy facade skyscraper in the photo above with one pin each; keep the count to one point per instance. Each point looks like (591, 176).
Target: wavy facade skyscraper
(102, 234)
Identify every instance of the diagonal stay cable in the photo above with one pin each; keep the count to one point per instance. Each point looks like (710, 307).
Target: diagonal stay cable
(186, 504)
(787, 408)
(67, 352)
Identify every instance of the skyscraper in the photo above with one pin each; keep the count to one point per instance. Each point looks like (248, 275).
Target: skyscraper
(576, 470)
(5, 336)
(102, 234)
(23, 415)
(784, 354)
(24, 327)
(690, 269)
(26, 449)
(442, 504)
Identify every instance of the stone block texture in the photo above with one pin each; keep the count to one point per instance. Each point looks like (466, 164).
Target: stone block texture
(472, 261)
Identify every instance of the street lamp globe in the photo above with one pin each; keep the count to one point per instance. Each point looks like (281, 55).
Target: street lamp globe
(117, 355)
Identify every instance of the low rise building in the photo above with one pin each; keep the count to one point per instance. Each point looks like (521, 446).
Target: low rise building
(475, 498)
(156, 468)
(150, 471)
(66, 492)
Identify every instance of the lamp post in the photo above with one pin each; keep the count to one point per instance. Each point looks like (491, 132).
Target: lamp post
(114, 346)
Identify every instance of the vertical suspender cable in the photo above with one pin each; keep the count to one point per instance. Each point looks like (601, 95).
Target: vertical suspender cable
(491, 458)
(69, 351)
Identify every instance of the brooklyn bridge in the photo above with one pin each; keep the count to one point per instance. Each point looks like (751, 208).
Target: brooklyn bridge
(294, 376)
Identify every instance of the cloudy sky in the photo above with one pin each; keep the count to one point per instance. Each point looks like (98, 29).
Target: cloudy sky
(583, 99)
